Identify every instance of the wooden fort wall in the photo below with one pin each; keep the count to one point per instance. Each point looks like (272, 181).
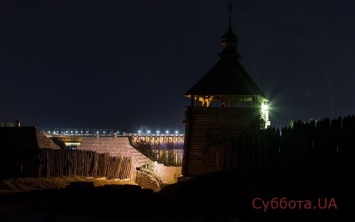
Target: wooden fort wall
(205, 127)
(58, 163)
(314, 145)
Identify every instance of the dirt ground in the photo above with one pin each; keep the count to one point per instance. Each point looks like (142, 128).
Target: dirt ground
(281, 195)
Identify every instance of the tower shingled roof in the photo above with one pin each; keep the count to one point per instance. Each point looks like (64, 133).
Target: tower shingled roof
(228, 76)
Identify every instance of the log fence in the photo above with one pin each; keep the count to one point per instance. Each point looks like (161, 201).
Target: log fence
(58, 163)
(322, 143)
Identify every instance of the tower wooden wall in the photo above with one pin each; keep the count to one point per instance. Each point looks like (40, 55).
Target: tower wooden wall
(205, 126)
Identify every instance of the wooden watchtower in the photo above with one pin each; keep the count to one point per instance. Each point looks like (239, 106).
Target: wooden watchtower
(224, 103)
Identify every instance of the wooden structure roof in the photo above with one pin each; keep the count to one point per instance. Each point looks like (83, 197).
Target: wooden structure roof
(228, 76)
(24, 138)
(115, 146)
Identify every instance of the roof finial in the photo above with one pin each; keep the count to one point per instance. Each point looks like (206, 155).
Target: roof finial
(230, 40)
(230, 7)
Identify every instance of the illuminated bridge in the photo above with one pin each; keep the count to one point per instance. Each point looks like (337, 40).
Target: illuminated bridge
(164, 140)
(73, 137)
(82, 132)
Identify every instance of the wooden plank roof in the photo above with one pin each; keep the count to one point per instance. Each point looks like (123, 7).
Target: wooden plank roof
(115, 146)
(24, 138)
(227, 77)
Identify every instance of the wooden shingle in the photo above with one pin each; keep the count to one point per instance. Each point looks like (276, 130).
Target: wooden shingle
(115, 146)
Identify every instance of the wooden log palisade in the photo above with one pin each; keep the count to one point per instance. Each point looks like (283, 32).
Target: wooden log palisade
(321, 143)
(58, 163)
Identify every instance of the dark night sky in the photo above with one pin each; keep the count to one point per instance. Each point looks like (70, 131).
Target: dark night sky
(122, 64)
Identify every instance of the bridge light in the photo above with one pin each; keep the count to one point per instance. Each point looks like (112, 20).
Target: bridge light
(167, 131)
(148, 131)
(158, 131)
(139, 131)
(176, 132)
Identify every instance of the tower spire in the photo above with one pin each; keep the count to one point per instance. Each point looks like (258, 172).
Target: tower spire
(230, 7)
(230, 40)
